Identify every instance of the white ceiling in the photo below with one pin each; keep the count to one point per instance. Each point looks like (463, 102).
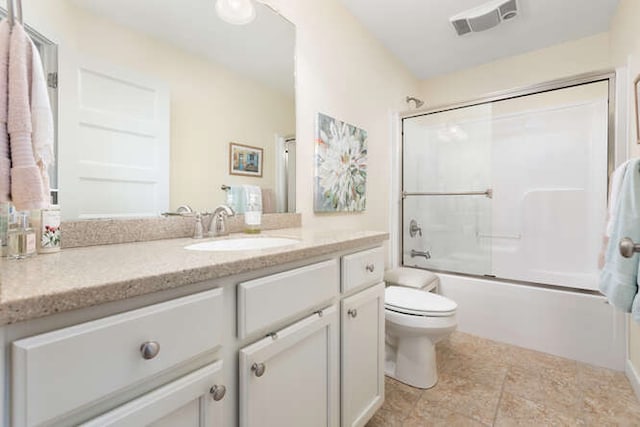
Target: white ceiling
(263, 49)
(419, 33)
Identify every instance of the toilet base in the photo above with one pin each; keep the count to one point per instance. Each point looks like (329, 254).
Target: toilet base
(412, 362)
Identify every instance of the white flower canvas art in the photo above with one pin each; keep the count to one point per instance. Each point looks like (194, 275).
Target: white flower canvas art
(341, 166)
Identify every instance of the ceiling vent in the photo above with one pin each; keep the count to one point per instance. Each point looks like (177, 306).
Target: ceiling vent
(484, 17)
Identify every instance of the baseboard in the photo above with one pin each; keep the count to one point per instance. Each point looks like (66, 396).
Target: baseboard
(634, 378)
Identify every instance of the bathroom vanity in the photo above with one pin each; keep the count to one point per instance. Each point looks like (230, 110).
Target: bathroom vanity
(291, 336)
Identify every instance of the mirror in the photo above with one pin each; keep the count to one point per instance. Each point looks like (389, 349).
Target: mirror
(152, 93)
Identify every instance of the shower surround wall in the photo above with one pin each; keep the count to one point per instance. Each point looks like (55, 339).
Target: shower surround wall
(545, 158)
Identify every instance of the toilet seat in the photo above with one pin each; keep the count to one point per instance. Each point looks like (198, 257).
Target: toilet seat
(418, 302)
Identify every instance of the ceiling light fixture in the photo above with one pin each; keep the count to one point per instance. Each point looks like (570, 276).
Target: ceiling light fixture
(236, 12)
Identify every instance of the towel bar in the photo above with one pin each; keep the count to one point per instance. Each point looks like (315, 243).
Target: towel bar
(628, 248)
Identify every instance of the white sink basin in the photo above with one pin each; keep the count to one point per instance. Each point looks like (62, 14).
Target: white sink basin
(242, 244)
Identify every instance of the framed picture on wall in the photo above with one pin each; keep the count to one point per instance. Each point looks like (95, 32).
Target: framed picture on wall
(245, 160)
(636, 102)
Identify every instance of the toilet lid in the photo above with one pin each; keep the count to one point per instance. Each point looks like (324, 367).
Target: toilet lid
(419, 302)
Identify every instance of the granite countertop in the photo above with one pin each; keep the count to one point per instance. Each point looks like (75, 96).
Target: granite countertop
(83, 277)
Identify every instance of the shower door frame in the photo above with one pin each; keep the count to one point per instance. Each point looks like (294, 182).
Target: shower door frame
(608, 76)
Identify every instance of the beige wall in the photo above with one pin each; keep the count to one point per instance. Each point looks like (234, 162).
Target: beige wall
(625, 50)
(343, 71)
(210, 105)
(563, 60)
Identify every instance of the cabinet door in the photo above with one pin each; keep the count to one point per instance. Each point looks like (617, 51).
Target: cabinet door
(195, 400)
(290, 378)
(362, 355)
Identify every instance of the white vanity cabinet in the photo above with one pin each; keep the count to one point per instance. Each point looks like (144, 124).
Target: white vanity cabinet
(362, 345)
(362, 336)
(293, 345)
(63, 371)
(195, 400)
(291, 378)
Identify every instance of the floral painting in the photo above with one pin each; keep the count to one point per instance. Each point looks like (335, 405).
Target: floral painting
(341, 166)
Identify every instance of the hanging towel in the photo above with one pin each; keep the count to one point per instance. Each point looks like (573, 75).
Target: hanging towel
(27, 192)
(255, 191)
(41, 121)
(614, 191)
(236, 198)
(268, 201)
(619, 277)
(5, 156)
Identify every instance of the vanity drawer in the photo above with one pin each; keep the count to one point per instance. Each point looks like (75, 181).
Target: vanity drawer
(362, 269)
(265, 301)
(71, 368)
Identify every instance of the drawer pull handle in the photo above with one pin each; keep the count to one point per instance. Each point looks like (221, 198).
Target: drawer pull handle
(149, 349)
(272, 335)
(319, 313)
(370, 268)
(218, 392)
(353, 313)
(258, 369)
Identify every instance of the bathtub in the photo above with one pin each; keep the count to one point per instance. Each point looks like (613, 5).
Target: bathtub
(567, 323)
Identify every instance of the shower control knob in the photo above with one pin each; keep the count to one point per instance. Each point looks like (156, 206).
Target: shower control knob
(628, 248)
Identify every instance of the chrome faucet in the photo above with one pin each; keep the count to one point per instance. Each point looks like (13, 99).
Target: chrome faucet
(218, 225)
(187, 211)
(198, 230)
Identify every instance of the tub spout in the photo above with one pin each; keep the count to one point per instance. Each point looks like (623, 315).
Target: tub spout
(425, 254)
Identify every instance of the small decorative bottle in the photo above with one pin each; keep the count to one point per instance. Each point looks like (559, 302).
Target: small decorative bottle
(21, 238)
(252, 216)
(50, 230)
(5, 215)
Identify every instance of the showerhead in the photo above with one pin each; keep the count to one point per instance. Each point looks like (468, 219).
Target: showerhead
(419, 103)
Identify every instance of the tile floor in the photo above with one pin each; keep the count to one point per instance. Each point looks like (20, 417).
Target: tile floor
(485, 383)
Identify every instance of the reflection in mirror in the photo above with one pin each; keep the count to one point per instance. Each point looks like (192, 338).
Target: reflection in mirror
(151, 94)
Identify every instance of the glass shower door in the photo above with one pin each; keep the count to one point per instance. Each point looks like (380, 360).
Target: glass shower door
(446, 181)
(544, 156)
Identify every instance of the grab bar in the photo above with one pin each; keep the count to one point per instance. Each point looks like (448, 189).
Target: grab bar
(487, 193)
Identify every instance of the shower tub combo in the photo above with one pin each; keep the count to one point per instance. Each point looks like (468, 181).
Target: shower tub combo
(505, 198)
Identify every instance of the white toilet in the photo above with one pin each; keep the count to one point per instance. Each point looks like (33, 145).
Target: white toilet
(416, 319)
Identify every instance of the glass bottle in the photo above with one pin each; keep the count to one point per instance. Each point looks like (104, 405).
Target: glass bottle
(252, 216)
(21, 238)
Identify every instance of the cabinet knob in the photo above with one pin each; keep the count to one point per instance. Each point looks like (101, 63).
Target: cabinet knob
(352, 312)
(149, 349)
(370, 268)
(218, 392)
(258, 369)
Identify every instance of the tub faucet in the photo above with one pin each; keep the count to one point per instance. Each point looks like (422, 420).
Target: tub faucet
(425, 254)
(218, 225)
